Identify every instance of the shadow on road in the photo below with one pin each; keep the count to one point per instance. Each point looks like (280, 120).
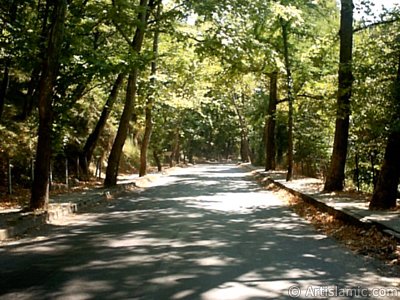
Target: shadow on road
(209, 233)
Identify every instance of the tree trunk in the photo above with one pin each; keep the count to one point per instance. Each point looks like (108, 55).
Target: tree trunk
(271, 123)
(175, 148)
(150, 100)
(116, 151)
(335, 177)
(385, 193)
(87, 152)
(244, 140)
(244, 148)
(7, 60)
(289, 82)
(3, 88)
(40, 187)
(157, 160)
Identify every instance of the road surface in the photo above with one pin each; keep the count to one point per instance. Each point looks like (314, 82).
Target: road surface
(206, 232)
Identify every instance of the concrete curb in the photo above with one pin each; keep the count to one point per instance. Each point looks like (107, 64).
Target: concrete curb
(22, 223)
(18, 223)
(342, 214)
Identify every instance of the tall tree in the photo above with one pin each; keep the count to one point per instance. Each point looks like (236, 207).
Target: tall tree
(136, 46)
(87, 151)
(385, 193)
(271, 123)
(245, 152)
(336, 174)
(289, 83)
(150, 98)
(40, 187)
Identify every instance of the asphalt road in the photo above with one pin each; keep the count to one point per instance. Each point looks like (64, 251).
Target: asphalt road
(206, 232)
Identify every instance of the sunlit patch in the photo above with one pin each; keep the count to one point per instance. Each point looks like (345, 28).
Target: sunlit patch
(170, 280)
(309, 255)
(276, 225)
(139, 241)
(295, 273)
(235, 202)
(83, 289)
(215, 261)
(239, 291)
(44, 247)
(182, 294)
(210, 243)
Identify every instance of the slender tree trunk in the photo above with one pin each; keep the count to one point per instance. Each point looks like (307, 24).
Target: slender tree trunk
(150, 100)
(87, 152)
(157, 160)
(40, 187)
(385, 193)
(244, 148)
(3, 88)
(7, 60)
(289, 82)
(175, 148)
(244, 140)
(335, 177)
(271, 123)
(116, 151)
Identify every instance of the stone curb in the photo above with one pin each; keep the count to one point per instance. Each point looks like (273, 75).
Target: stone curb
(24, 221)
(342, 214)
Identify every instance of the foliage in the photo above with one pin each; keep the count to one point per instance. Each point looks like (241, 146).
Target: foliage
(212, 83)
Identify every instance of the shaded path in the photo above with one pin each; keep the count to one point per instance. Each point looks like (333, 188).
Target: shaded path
(204, 233)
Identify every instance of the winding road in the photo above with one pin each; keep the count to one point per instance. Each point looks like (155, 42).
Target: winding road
(204, 232)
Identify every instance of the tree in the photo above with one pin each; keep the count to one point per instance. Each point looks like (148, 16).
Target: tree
(150, 98)
(271, 123)
(136, 45)
(335, 177)
(289, 86)
(87, 151)
(245, 152)
(39, 198)
(386, 190)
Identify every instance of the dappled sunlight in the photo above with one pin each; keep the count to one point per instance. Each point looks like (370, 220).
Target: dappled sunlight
(215, 261)
(238, 291)
(188, 238)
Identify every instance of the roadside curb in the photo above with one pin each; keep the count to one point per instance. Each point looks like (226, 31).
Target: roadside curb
(18, 223)
(344, 214)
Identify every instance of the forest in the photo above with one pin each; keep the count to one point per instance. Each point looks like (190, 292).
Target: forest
(309, 86)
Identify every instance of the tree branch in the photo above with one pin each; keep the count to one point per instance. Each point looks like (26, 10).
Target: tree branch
(376, 24)
(315, 97)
